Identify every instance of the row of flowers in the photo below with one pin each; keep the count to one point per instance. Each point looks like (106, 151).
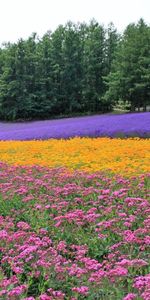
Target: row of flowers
(122, 156)
(112, 125)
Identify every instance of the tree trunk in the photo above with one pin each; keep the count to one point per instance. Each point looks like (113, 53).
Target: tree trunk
(132, 107)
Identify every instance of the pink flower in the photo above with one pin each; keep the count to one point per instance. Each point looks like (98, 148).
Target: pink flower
(147, 240)
(62, 246)
(83, 290)
(5, 282)
(142, 282)
(45, 297)
(3, 292)
(3, 234)
(146, 295)
(138, 262)
(130, 296)
(97, 276)
(119, 271)
(43, 231)
(102, 236)
(17, 270)
(105, 192)
(129, 236)
(127, 224)
(23, 225)
(122, 214)
(124, 263)
(58, 294)
(38, 206)
(29, 298)
(17, 291)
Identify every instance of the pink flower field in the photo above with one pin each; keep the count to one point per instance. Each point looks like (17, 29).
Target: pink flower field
(73, 235)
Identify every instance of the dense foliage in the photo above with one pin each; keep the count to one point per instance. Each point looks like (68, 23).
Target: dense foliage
(129, 78)
(78, 68)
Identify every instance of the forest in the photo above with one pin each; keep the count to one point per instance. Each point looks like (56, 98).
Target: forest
(77, 69)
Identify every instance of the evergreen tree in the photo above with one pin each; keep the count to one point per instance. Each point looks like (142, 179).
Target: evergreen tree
(129, 77)
(57, 69)
(93, 65)
(72, 71)
(31, 67)
(43, 105)
(9, 85)
(111, 42)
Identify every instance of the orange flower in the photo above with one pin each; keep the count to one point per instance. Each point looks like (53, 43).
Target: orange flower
(123, 156)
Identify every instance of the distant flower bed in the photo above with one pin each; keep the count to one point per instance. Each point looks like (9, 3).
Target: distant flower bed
(121, 156)
(124, 125)
(73, 235)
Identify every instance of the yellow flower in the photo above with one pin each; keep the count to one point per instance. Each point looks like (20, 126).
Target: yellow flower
(123, 156)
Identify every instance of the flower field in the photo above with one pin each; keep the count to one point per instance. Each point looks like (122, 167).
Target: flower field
(121, 156)
(123, 125)
(75, 219)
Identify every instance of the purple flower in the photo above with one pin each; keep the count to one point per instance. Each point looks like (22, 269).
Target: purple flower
(131, 124)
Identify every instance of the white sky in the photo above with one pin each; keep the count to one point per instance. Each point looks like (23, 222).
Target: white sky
(19, 18)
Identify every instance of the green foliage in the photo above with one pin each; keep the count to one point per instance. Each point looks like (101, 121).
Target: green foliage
(79, 68)
(129, 79)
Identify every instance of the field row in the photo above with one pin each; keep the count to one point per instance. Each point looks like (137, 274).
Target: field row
(121, 156)
(123, 125)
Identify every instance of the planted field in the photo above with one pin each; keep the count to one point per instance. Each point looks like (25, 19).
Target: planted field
(74, 217)
(124, 125)
(121, 156)
(73, 236)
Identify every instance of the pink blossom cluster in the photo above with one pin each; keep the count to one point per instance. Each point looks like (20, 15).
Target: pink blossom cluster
(73, 235)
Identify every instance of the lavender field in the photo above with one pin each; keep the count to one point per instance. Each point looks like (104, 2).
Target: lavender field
(124, 125)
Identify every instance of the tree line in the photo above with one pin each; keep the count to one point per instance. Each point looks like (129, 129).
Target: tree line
(78, 68)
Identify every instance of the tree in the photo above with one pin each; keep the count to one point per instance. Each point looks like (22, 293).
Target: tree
(111, 43)
(9, 84)
(93, 64)
(129, 77)
(72, 71)
(57, 67)
(31, 76)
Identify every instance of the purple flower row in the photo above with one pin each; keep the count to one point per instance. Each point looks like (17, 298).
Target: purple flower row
(123, 125)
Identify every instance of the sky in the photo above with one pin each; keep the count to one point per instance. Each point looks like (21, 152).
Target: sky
(19, 18)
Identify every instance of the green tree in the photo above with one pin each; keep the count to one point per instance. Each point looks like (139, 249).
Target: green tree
(130, 73)
(43, 82)
(93, 64)
(72, 71)
(31, 76)
(57, 67)
(111, 43)
(9, 84)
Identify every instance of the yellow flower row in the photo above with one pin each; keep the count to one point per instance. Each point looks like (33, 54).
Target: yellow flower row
(122, 156)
